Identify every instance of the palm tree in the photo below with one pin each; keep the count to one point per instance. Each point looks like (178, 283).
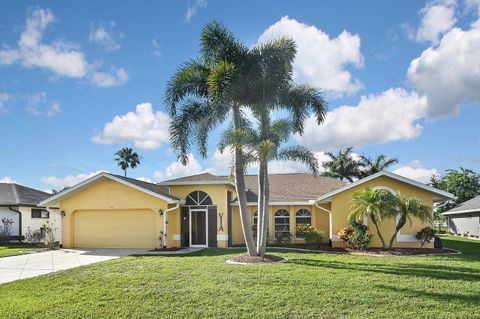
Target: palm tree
(229, 76)
(262, 145)
(342, 165)
(375, 204)
(126, 158)
(274, 89)
(408, 208)
(375, 165)
(202, 94)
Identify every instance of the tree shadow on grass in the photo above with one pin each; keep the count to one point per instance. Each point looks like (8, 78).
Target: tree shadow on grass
(417, 270)
(446, 296)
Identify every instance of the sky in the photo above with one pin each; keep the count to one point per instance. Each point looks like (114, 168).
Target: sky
(81, 79)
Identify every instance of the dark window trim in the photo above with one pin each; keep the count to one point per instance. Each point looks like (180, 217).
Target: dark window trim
(39, 210)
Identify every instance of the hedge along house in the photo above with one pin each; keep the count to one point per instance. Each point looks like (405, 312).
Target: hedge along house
(201, 210)
(21, 204)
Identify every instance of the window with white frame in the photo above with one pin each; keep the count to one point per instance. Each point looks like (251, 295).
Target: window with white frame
(303, 217)
(282, 221)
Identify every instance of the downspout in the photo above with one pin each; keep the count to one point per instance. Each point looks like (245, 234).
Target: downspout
(165, 224)
(19, 222)
(329, 218)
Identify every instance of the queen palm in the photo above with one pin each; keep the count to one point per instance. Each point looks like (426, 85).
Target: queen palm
(126, 158)
(374, 204)
(409, 208)
(263, 144)
(222, 81)
(202, 94)
(375, 165)
(342, 165)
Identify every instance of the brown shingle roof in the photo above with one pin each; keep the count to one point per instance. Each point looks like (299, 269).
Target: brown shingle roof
(294, 186)
(203, 177)
(283, 187)
(156, 188)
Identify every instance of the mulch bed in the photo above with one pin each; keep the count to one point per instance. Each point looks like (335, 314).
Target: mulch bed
(400, 251)
(168, 249)
(256, 259)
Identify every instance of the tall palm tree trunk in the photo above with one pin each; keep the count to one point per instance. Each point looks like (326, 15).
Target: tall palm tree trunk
(400, 224)
(241, 190)
(260, 211)
(375, 223)
(266, 198)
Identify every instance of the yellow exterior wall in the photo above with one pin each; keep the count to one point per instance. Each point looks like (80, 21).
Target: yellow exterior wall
(218, 194)
(108, 195)
(341, 208)
(319, 221)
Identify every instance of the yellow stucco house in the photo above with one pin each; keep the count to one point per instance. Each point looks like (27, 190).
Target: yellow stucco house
(112, 211)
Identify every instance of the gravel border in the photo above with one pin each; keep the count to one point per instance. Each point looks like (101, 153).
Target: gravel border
(232, 262)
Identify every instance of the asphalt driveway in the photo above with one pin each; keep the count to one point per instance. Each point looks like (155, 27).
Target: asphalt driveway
(32, 265)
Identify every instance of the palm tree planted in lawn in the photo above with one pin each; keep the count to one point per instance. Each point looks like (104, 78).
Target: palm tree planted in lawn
(263, 144)
(127, 158)
(409, 208)
(228, 77)
(375, 165)
(202, 94)
(343, 165)
(374, 204)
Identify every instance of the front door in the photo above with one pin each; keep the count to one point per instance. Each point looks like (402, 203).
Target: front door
(198, 227)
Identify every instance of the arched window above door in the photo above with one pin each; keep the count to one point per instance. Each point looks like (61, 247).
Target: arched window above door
(198, 198)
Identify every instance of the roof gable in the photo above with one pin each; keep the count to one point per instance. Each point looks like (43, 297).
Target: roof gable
(155, 190)
(439, 194)
(198, 179)
(472, 205)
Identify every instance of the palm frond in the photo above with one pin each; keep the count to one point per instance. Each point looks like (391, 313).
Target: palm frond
(299, 154)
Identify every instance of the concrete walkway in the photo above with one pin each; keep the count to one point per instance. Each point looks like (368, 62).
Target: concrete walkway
(37, 264)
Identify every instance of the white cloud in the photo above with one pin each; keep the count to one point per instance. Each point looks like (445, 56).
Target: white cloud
(67, 181)
(449, 74)
(176, 169)
(7, 180)
(321, 61)
(415, 170)
(38, 105)
(59, 57)
(144, 179)
(105, 36)
(146, 128)
(156, 47)
(221, 162)
(116, 78)
(192, 9)
(437, 18)
(4, 97)
(389, 116)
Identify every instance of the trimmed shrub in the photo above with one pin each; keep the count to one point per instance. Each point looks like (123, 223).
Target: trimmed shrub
(310, 234)
(425, 235)
(355, 236)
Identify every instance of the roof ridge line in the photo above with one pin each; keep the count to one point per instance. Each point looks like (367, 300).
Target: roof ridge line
(15, 193)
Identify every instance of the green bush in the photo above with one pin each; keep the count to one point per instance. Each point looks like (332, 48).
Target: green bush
(355, 236)
(425, 235)
(310, 234)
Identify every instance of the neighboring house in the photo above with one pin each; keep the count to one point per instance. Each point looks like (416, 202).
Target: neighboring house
(20, 204)
(465, 218)
(109, 210)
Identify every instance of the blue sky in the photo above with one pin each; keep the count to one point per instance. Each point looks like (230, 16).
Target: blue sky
(81, 79)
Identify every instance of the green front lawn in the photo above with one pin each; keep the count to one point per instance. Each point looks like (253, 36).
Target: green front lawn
(309, 285)
(13, 250)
